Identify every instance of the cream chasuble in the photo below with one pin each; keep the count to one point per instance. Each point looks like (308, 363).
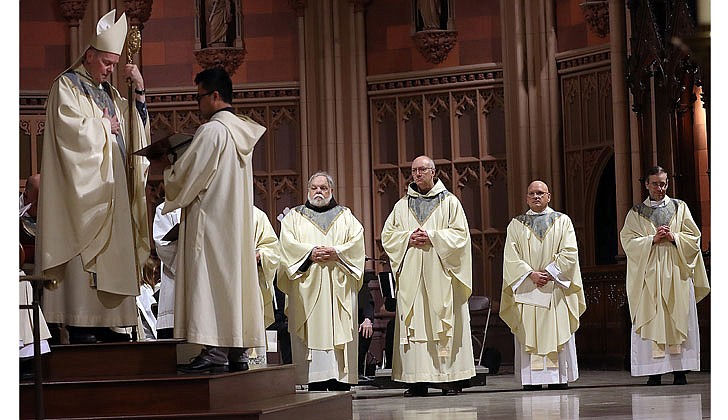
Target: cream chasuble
(664, 283)
(266, 243)
(432, 330)
(86, 222)
(545, 350)
(217, 298)
(322, 297)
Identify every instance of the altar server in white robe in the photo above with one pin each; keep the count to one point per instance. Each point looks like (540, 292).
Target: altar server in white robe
(321, 272)
(666, 278)
(217, 299)
(427, 239)
(167, 253)
(542, 296)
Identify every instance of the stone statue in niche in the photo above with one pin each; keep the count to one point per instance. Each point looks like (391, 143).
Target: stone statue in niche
(219, 18)
(430, 14)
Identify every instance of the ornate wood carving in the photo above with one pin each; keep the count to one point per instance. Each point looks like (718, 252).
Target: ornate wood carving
(138, 11)
(464, 101)
(494, 170)
(73, 10)
(491, 98)
(437, 104)
(593, 294)
(596, 14)
(386, 179)
(617, 294)
(494, 245)
(299, 6)
(284, 184)
(435, 45)
(383, 109)
(444, 81)
(467, 173)
(226, 57)
(282, 114)
(411, 106)
(655, 54)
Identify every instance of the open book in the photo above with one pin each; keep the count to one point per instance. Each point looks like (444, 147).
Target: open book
(172, 145)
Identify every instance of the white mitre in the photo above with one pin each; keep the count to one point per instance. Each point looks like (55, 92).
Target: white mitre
(110, 36)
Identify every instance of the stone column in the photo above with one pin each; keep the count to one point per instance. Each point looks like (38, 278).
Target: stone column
(73, 11)
(620, 114)
(532, 103)
(335, 135)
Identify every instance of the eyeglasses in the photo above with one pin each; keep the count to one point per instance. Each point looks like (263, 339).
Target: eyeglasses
(537, 194)
(421, 170)
(198, 96)
(661, 185)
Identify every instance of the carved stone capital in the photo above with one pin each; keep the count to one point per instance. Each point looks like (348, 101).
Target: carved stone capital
(138, 11)
(228, 58)
(299, 6)
(596, 14)
(435, 45)
(73, 10)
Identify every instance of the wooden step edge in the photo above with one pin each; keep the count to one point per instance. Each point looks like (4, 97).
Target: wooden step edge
(146, 343)
(178, 376)
(254, 410)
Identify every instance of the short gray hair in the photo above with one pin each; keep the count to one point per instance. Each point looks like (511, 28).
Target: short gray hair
(325, 174)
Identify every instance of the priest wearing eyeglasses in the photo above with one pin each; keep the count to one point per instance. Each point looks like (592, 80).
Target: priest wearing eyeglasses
(666, 277)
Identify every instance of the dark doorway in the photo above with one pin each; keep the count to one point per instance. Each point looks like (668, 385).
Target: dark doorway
(605, 217)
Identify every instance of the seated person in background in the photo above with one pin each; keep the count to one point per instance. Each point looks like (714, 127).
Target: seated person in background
(147, 323)
(366, 328)
(167, 252)
(28, 208)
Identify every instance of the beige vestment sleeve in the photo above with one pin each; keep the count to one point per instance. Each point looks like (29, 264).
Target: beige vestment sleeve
(266, 243)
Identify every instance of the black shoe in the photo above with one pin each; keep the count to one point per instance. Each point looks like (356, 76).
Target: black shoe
(318, 386)
(416, 391)
(654, 380)
(679, 378)
(450, 388)
(201, 365)
(81, 335)
(335, 385)
(107, 335)
(238, 366)
(27, 372)
(558, 386)
(532, 387)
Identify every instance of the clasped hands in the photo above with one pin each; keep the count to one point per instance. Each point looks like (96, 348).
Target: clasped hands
(133, 77)
(540, 278)
(663, 233)
(324, 254)
(419, 239)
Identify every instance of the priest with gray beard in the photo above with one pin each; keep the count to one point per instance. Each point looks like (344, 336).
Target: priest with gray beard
(321, 271)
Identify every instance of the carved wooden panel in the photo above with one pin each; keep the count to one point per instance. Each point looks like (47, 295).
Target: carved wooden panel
(30, 146)
(588, 143)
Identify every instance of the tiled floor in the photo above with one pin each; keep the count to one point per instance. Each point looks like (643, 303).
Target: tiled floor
(597, 394)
